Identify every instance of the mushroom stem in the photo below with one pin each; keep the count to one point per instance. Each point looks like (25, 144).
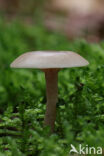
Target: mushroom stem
(51, 76)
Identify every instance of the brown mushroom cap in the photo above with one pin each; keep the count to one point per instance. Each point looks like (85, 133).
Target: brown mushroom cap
(49, 59)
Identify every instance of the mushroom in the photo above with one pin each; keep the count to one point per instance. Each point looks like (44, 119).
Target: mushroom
(50, 62)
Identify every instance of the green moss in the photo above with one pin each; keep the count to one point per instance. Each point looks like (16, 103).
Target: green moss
(80, 110)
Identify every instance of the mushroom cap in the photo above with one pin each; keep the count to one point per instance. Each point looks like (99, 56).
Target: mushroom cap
(49, 59)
